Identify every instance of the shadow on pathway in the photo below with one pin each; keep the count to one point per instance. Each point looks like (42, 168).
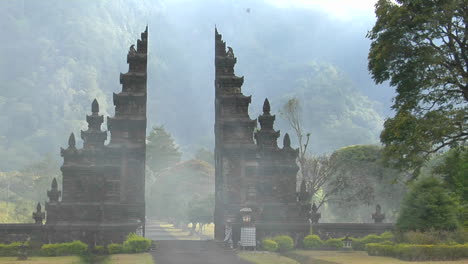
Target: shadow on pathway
(193, 252)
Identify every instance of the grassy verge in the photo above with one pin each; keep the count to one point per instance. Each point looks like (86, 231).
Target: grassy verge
(42, 260)
(354, 257)
(143, 258)
(266, 258)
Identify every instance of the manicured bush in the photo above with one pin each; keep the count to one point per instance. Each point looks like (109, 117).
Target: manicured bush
(433, 237)
(285, 243)
(136, 244)
(360, 243)
(100, 250)
(270, 245)
(333, 243)
(8, 250)
(312, 242)
(418, 252)
(115, 248)
(64, 249)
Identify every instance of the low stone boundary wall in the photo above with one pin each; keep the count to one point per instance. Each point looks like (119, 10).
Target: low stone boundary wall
(336, 230)
(21, 232)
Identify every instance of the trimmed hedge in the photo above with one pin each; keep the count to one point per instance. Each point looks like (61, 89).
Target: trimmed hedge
(115, 248)
(285, 243)
(270, 245)
(9, 250)
(333, 243)
(418, 252)
(100, 250)
(136, 244)
(312, 242)
(360, 243)
(64, 249)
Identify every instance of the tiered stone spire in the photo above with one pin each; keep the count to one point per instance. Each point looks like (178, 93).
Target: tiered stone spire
(128, 126)
(266, 137)
(38, 216)
(233, 136)
(94, 137)
(54, 193)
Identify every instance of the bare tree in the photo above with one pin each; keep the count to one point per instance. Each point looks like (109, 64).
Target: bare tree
(292, 112)
(315, 171)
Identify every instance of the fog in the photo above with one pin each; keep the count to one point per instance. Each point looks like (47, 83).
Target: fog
(57, 56)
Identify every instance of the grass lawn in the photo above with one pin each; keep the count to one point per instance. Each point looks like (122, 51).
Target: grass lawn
(265, 258)
(356, 257)
(42, 260)
(143, 258)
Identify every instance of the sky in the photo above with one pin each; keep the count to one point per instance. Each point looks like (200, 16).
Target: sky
(340, 9)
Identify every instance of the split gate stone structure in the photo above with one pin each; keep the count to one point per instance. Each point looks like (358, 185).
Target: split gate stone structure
(103, 188)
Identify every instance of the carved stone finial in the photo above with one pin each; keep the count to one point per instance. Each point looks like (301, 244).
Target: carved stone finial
(132, 50)
(286, 141)
(54, 193)
(230, 52)
(266, 106)
(71, 141)
(95, 107)
(38, 216)
(54, 185)
(378, 216)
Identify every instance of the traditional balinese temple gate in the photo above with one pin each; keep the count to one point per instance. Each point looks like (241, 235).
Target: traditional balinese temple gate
(103, 196)
(251, 170)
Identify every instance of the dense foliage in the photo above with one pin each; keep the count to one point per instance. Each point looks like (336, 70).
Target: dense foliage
(161, 150)
(420, 47)
(136, 244)
(7, 250)
(312, 242)
(269, 245)
(418, 252)
(285, 243)
(358, 182)
(427, 206)
(64, 249)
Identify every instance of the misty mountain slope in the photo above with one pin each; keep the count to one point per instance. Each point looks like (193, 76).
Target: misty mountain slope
(57, 56)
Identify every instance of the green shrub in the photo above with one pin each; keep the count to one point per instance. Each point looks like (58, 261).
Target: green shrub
(418, 252)
(8, 250)
(136, 244)
(285, 243)
(64, 249)
(115, 248)
(333, 243)
(427, 206)
(100, 250)
(269, 245)
(312, 242)
(360, 243)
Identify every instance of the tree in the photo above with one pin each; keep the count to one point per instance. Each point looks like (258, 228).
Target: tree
(292, 112)
(161, 150)
(421, 48)
(360, 181)
(454, 170)
(205, 155)
(427, 206)
(176, 186)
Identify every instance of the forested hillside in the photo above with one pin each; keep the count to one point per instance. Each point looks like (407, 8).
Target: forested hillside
(59, 55)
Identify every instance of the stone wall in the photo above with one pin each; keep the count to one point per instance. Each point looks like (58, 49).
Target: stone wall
(336, 230)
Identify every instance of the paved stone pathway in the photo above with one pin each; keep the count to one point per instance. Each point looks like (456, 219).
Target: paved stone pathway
(156, 230)
(193, 252)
